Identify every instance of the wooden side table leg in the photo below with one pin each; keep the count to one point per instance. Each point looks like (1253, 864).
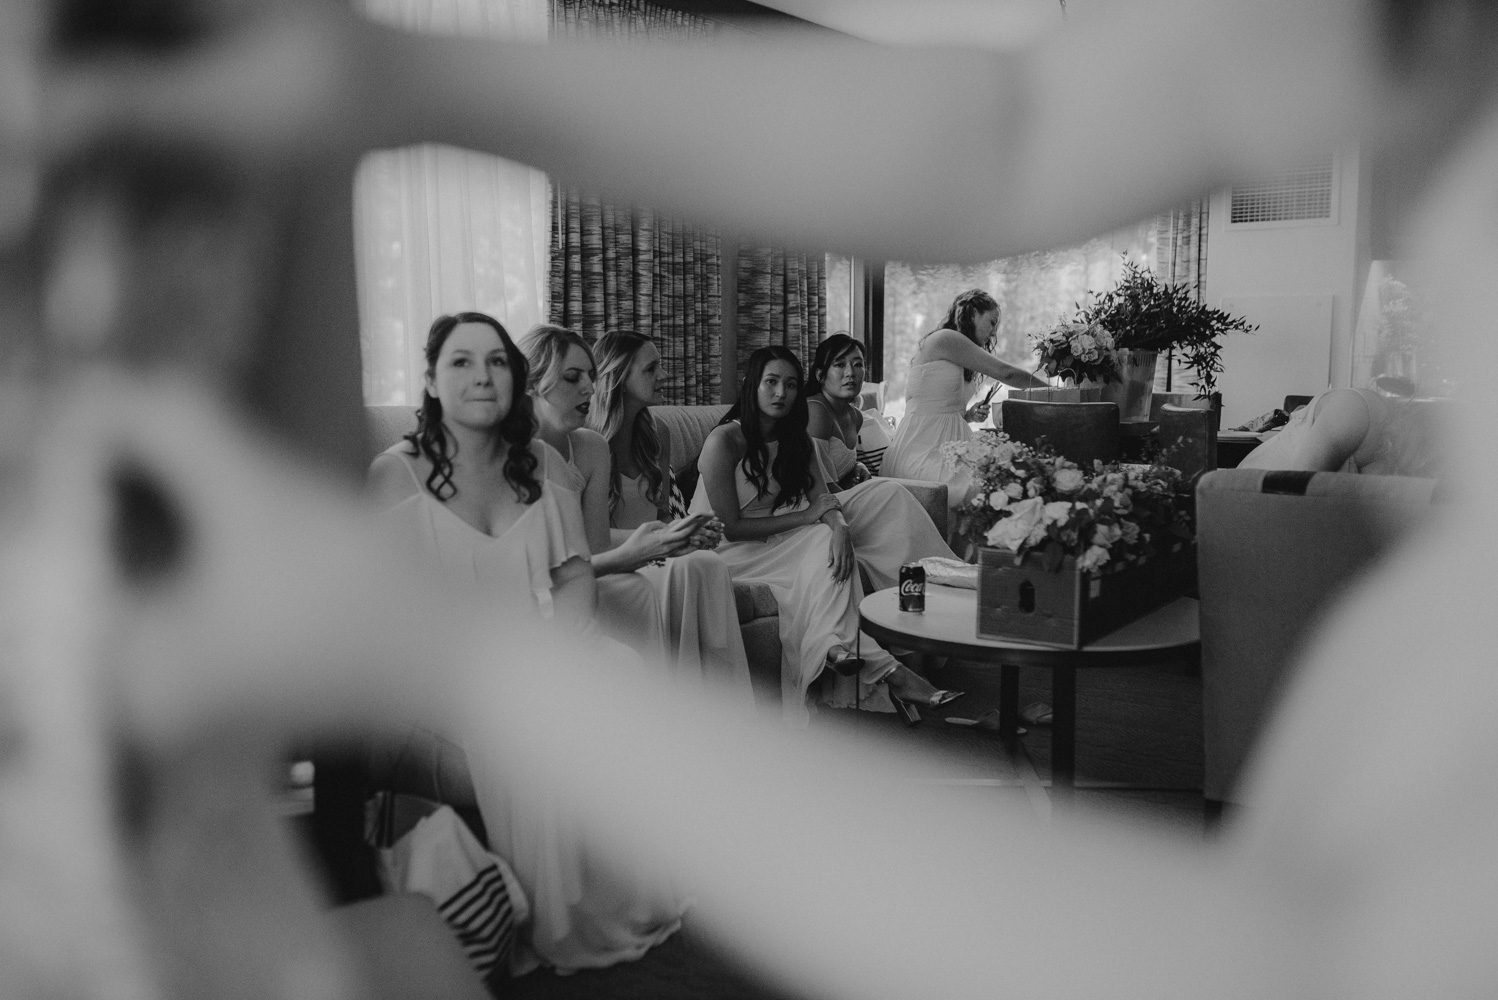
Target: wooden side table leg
(1063, 730)
(1008, 702)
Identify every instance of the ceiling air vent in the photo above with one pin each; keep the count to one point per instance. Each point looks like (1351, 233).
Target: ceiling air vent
(1307, 194)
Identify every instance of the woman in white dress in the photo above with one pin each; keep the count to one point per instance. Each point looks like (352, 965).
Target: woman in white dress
(889, 527)
(695, 586)
(476, 496)
(783, 528)
(939, 388)
(686, 587)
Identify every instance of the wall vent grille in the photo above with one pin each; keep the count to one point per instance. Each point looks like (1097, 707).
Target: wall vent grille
(1305, 194)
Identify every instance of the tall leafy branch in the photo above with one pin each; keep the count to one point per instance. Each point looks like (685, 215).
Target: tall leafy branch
(1144, 313)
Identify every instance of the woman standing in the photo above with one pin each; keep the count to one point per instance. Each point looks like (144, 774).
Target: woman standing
(889, 526)
(783, 528)
(939, 389)
(688, 589)
(477, 497)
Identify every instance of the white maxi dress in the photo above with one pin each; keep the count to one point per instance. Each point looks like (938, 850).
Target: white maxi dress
(585, 913)
(816, 613)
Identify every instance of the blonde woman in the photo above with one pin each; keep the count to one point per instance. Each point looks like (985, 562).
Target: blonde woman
(690, 594)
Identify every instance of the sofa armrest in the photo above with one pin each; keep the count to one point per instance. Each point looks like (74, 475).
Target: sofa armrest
(931, 495)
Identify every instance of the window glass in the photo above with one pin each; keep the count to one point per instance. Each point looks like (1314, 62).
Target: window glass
(1034, 291)
(840, 295)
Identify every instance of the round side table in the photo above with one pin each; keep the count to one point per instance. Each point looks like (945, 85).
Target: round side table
(949, 627)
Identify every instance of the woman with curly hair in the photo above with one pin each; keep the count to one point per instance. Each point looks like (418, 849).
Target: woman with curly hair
(939, 388)
(783, 528)
(478, 497)
(474, 486)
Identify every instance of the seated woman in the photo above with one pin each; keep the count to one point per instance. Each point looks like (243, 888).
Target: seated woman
(783, 528)
(560, 383)
(473, 492)
(889, 527)
(1352, 430)
(939, 387)
(686, 589)
(696, 587)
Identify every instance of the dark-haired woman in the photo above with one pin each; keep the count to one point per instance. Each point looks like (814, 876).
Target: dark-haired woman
(889, 527)
(477, 497)
(783, 528)
(938, 391)
(695, 587)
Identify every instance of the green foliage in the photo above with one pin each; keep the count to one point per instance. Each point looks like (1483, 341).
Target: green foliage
(1145, 313)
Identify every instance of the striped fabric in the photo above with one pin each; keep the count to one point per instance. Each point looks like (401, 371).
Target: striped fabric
(782, 301)
(481, 915)
(873, 438)
(621, 269)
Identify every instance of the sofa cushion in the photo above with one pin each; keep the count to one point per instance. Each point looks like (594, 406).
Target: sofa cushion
(387, 425)
(754, 600)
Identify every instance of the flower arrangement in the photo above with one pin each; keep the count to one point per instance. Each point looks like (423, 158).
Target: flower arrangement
(1028, 499)
(1143, 313)
(1077, 352)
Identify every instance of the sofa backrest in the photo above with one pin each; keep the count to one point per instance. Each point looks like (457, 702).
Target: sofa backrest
(689, 427)
(387, 425)
(1274, 550)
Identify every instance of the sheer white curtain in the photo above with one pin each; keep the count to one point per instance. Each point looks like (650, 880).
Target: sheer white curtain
(440, 230)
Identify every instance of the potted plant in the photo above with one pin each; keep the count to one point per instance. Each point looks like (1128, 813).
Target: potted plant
(1144, 313)
(1064, 554)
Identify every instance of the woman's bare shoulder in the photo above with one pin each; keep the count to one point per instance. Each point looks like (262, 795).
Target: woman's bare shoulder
(729, 436)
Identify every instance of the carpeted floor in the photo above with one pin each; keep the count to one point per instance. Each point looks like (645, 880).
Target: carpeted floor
(1138, 725)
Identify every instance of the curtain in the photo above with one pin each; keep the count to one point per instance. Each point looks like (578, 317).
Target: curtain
(616, 267)
(782, 300)
(440, 230)
(1178, 239)
(629, 269)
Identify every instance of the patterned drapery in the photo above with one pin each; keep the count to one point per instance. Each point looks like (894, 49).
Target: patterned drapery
(782, 300)
(621, 269)
(1179, 244)
(614, 267)
(437, 229)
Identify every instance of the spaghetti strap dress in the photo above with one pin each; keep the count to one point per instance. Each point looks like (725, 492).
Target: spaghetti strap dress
(697, 607)
(628, 604)
(889, 526)
(816, 612)
(585, 912)
(935, 397)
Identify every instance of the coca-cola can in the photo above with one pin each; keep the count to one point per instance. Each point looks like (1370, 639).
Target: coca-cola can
(913, 587)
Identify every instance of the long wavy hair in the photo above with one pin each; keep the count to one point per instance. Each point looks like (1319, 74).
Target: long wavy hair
(430, 438)
(792, 465)
(834, 348)
(615, 356)
(963, 315)
(545, 348)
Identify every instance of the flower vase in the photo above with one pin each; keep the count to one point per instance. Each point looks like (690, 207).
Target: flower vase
(1135, 392)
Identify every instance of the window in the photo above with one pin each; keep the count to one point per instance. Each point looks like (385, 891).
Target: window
(1034, 291)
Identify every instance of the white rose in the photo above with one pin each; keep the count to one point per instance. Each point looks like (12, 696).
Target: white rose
(1057, 510)
(1015, 491)
(998, 500)
(1106, 534)
(1032, 488)
(1093, 559)
(1011, 532)
(1069, 480)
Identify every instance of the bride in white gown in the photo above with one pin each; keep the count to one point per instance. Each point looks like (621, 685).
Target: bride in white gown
(940, 384)
(478, 499)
